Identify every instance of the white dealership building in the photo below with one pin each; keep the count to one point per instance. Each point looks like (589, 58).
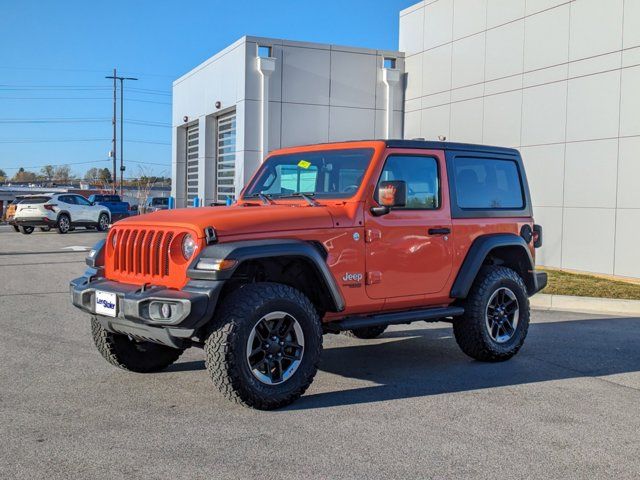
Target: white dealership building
(559, 80)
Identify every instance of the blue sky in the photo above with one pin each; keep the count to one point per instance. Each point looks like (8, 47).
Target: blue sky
(54, 56)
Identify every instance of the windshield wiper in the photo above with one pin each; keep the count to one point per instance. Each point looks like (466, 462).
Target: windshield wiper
(265, 199)
(307, 198)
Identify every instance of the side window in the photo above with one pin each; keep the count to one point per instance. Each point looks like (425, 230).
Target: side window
(64, 199)
(81, 201)
(421, 176)
(488, 183)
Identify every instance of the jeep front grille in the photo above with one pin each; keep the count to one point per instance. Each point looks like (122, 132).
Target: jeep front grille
(142, 253)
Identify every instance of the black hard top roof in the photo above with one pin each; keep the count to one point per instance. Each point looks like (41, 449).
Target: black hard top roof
(438, 145)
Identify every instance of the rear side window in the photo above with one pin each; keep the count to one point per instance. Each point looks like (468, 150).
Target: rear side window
(488, 183)
(35, 200)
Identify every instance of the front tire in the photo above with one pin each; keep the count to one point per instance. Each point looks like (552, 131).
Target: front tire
(64, 224)
(496, 318)
(26, 230)
(45, 229)
(16, 228)
(103, 222)
(266, 347)
(128, 354)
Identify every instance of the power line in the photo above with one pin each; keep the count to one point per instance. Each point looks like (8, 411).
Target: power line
(56, 165)
(149, 123)
(84, 98)
(73, 140)
(85, 163)
(58, 69)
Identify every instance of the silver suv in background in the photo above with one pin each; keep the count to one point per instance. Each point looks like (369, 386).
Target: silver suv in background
(60, 210)
(153, 204)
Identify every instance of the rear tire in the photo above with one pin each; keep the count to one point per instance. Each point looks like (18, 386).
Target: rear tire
(26, 230)
(64, 223)
(367, 333)
(103, 222)
(141, 357)
(496, 318)
(45, 229)
(16, 228)
(265, 350)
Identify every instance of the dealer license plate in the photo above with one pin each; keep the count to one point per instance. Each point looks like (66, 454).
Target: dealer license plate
(106, 303)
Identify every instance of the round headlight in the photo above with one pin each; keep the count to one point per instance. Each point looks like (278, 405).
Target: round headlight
(188, 246)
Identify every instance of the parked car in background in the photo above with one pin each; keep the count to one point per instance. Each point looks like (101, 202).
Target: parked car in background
(11, 211)
(153, 204)
(114, 203)
(63, 211)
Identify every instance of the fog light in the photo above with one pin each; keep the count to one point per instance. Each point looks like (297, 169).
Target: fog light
(165, 310)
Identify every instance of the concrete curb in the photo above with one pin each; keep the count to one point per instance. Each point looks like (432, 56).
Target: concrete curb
(568, 303)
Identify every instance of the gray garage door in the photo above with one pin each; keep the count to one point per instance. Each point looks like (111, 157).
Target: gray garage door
(192, 163)
(226, 157)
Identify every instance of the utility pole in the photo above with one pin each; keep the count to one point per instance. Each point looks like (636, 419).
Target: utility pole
(122, 167)
(113, 121)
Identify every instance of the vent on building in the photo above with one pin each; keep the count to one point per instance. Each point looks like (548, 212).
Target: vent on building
(192, 163)
(226, 156)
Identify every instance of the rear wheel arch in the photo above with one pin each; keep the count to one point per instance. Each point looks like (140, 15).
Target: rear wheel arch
(508, 250)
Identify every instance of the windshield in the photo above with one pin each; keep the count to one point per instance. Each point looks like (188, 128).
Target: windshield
(34, 200)
(324, 174)
(160, 201)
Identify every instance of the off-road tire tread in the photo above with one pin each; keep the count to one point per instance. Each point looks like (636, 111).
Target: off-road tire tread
(105, 344)
(221, 360)
(469, 329)
(366, 333)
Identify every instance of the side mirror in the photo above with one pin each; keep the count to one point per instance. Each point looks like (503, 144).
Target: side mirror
(390, 194)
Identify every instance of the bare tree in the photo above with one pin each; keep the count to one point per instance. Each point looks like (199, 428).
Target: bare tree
(48, 172)
(62, 174)
(144, 183)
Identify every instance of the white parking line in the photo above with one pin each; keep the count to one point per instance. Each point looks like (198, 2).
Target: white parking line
(77, 248)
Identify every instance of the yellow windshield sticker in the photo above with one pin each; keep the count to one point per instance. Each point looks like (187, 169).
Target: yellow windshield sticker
(304, 164)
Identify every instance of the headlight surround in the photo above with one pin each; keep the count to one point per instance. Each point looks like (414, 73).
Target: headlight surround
(189, 246)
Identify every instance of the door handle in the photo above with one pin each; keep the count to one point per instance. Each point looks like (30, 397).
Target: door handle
(439, 231)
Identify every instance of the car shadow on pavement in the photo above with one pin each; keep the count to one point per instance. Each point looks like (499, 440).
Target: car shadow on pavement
(428, 361)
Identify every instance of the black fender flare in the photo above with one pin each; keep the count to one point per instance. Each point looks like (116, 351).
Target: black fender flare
(480, 248)
(242, 251)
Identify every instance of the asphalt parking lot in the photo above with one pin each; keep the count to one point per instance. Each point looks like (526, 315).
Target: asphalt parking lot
(407, 405)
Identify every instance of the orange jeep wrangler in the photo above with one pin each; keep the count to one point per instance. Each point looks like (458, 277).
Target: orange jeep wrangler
(342, 237)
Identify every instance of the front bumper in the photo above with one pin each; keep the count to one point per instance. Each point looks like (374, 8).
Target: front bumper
(191, 308)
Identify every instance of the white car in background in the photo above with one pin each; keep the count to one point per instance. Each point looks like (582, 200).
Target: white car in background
(63, 211)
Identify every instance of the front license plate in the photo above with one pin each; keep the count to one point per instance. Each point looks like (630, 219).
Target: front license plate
(106, 303)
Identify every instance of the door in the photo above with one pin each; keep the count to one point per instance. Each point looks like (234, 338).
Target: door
(192, 163)
(409, 250)
(89, 213)
(68, 203)
(226, 157)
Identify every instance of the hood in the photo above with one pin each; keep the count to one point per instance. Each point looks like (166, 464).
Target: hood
(237, 220)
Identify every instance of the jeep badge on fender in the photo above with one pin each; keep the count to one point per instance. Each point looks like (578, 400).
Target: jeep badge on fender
(447, 235)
